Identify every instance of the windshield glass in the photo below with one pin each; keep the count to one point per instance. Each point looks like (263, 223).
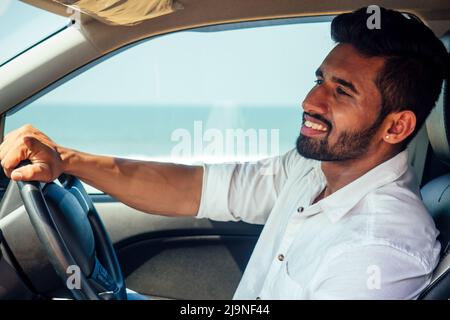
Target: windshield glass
(22, 25)
(233, 95)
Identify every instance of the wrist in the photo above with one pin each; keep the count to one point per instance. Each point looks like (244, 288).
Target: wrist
(67, 157)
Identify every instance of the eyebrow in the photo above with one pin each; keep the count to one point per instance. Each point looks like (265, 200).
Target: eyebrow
(345, 83)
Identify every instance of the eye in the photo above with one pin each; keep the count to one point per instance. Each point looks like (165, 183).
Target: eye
(318, 81)
(342, 92)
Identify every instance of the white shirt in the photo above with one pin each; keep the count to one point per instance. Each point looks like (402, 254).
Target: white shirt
(372, 239)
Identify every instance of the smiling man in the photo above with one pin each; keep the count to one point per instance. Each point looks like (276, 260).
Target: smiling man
(342, 211)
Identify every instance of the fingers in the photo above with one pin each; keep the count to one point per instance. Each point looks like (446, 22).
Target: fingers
(23, 149)
(4, 146)
(32, 172)
(12, 156)
(6, 136)
(29, 143)
(32, 143)
(11, 138)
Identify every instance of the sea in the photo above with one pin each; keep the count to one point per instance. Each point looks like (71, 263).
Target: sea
(185, 134)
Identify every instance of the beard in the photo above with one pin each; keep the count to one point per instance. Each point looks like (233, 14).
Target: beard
(349, 145)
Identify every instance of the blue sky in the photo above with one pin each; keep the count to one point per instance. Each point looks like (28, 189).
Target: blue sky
(255, 66)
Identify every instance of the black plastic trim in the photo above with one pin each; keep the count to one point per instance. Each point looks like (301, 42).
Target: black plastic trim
(178, 234)
(36, 44)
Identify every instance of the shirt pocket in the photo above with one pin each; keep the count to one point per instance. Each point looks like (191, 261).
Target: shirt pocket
(285, 287)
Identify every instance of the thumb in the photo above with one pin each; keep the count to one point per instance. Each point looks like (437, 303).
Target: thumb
(32, 143)
(32, 172)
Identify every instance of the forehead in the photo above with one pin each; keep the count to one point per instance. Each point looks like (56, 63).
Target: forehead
(345, 62)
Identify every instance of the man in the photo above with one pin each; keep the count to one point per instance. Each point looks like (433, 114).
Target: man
(342, 212)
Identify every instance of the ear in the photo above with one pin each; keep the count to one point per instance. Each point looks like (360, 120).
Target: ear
(400, 125)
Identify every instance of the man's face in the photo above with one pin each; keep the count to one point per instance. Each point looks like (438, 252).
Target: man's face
(341, 112)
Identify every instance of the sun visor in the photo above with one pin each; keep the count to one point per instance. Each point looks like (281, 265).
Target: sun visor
(122, 12)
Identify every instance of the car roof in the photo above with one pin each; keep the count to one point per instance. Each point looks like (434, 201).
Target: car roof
(195, 13)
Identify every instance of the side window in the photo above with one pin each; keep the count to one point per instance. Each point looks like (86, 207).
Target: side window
(214, 94)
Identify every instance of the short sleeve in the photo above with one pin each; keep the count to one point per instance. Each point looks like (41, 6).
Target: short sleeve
(244, 191)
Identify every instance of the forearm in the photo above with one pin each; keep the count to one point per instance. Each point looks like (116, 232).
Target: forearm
(160, 188)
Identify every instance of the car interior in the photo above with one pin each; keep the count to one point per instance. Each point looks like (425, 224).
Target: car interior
(155, 256)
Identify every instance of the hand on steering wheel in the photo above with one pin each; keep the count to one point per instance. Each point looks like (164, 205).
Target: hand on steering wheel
(73, 235)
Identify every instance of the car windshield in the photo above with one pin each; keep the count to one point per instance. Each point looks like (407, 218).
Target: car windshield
(22, 25)
(233, 95)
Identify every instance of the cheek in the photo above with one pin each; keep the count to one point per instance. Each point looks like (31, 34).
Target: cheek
(371, 107)
(348, 122)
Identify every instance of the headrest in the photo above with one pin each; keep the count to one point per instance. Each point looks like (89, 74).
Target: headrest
(438, 123)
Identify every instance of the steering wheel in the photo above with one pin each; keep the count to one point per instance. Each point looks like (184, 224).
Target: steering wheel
(73, 235)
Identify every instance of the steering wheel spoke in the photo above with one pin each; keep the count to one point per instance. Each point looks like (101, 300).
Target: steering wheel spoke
(72, 233)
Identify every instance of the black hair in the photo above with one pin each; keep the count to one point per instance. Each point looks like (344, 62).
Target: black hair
(416, 61)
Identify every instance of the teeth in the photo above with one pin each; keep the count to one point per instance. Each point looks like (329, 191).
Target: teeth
(315, 126)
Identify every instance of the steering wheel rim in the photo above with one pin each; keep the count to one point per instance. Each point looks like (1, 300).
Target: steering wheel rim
(74, 238)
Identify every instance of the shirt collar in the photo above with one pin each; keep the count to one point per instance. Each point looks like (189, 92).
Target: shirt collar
(336, 205)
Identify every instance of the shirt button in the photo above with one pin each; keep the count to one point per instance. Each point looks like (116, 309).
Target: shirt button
(280, 257)
(300, 209)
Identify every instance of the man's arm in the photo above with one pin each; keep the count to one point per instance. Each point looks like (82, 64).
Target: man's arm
(166, 189)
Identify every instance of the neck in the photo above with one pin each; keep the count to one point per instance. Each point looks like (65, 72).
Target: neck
(340, 173)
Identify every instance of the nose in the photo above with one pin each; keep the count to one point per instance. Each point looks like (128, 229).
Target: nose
(316, 101)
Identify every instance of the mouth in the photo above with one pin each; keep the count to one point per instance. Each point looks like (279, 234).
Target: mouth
(313, 127)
